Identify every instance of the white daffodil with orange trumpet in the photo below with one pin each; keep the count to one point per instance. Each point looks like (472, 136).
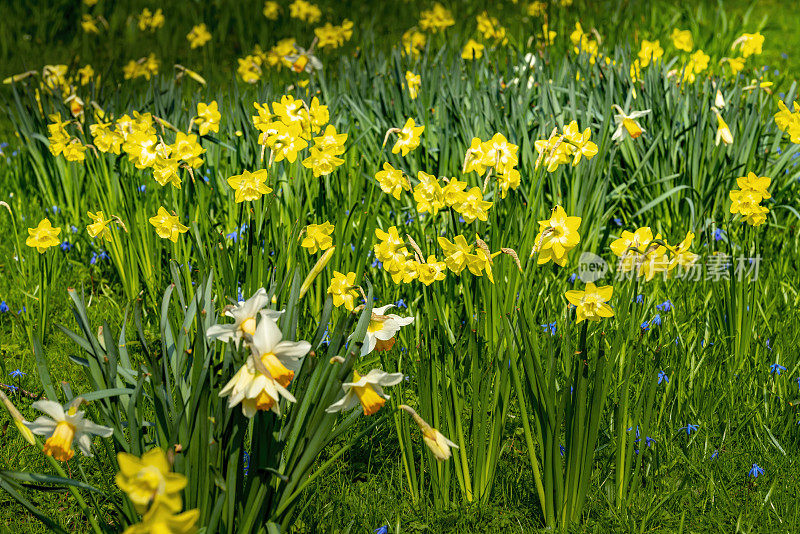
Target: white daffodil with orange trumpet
(65, 427)
(366, 390)
(382, 329)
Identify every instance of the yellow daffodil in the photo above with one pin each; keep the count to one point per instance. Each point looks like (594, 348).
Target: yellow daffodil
(413, 82)
(750, 44)
(650, 51)
(723, 131)
(756, 184)
(249, 185)
(472, 206)
(318, 237)
(591, 303)
(408, 137)
(167, 226)
(160, 519)
(392, 181)
(271, 10)
(682, 39)
(436, 19)
(455, 253)
(472, 50)
(199, 36)
(428, 194)
(747, 204)
(342, 289)
(149, 480)
(208, 117)
(43, 236)
(390, 249)
(431, 271)
(305, 11)
(99, 227)
(557, 236)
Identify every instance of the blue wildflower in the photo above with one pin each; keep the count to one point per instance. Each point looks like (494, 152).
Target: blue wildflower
(461, 219)
(401, 304)
(377, 263)
(719, 234)
(776, 369)
(3, 307)
(656, 320)
(714, 454)
(382, 530)
(246, 460)
(662, 377)
(16, 373)
(142, 188)
(639, 299)
(10, 387)
(689, 428)
(664, 306)
(755, 471)
(645, 326)
(617, 221)
(572, 278)
(551, 327)
(66, 246)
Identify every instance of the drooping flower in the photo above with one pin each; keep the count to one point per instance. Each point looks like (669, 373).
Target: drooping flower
(365, 390)
(99, 227)
(435, 441)
(64, 428)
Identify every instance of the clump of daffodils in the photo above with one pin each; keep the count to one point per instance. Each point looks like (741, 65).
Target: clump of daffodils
(746, 201)
(645, 256)
(498, 156)
(270, 366)
(570, 146)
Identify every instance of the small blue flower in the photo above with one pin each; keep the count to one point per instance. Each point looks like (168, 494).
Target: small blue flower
(617, 221)
(551, 327)
(664, 306)
(142, 188)
(776, 369)
(3, 307)
(461, 219)
(232, 235)
(689, 428)
(714, 454)
(563, 450)
(649, 441)
(352, 247)
(656, 320)
(10, 387)
(66, 246)
(377, 263)
(382, 530)
(246, 459)
(798, 378)
(401, 304)
(639, 299)
(572, 278)
(73, 229)
(719, 235)
(16, 373)
(645, 326)
(662, 377)
(755, 471)
(767, 343)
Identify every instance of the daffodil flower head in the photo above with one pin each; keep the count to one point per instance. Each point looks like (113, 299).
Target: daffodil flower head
(408, 138)
(342, 289)
(428, 194)
(245, 316)
(160, 519)
(435, 441)
(557, 236)
(591, 303)
(149, 480)
(318, 237)
(167, 226)
(43, 236)
(249, 185)
(64, 427)
(628, 124)
(365, 390)
(392, 181)
(99, 227)
(382, 329)
(456, 253)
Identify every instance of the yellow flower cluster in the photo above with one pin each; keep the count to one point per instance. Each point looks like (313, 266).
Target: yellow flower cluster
(491, 29)
(789, 121)
(334, 36)
(746, 201)
(145, 67)
(62, 142)
(155, 492)
(305, 11)
(436, 19)
(290, 124)
(413, 42)
(251, 66)
(643, 255)
(149, 21)
(199, 36)
(496, 154)
(559, 149)
(318, 237)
